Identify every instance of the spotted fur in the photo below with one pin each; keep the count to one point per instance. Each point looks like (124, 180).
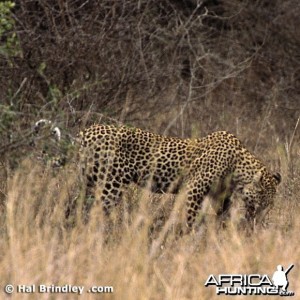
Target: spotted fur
(216, 165)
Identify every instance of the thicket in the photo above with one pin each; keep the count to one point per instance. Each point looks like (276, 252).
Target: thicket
(178, 67)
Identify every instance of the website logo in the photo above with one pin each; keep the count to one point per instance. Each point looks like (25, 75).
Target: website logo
(252, 284)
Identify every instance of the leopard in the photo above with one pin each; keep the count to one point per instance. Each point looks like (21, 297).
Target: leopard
(213, 166)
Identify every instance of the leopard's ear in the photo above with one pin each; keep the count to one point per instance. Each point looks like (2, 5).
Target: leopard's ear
(257, 177)
(277, 177)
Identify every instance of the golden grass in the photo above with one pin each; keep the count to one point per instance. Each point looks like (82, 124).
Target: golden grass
(39, 246)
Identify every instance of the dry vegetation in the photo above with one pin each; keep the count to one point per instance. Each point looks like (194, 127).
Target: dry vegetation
(174, 67)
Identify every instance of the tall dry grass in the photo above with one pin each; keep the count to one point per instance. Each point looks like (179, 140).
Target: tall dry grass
(38, 245)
